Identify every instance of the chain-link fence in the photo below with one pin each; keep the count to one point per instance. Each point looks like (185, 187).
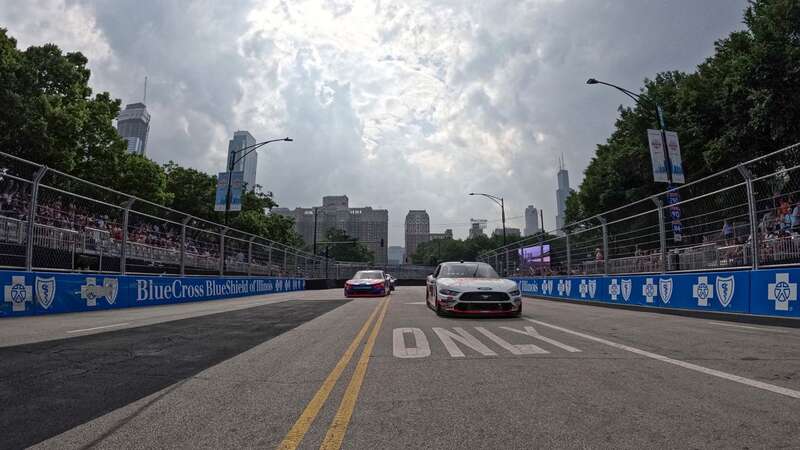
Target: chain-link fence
(50, 220)
(714, 223)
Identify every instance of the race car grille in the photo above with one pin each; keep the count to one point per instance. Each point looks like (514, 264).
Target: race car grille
(476, 306)
(484, 297)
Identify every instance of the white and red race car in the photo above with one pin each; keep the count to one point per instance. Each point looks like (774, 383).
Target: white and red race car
(472, 288)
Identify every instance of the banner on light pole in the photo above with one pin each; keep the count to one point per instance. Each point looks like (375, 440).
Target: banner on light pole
(674, 149)
(657, 156)
(220, 200)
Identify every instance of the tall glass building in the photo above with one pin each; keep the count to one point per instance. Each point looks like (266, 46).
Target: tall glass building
(133, 124)
(248, 164)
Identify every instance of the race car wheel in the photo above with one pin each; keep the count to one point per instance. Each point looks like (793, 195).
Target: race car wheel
(439, 311)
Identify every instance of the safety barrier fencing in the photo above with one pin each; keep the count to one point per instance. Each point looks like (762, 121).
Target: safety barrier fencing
(764, 292)
(743, 217)
(36, 293)
(53, 221)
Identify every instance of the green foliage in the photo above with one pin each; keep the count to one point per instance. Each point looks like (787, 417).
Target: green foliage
(345, 248)
(439, 250)
(740, 103)
(49, 116)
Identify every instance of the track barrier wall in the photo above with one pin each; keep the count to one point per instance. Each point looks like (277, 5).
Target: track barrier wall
(37, 293)
(769, 292)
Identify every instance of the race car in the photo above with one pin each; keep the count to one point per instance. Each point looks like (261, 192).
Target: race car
(472, 288)
(367, 283)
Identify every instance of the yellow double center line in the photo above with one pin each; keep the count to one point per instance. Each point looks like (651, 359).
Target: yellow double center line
(335, 435)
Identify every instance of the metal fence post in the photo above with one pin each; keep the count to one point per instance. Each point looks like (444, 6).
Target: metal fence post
(183, 244)
(37, 178)
(752, 213)
(605, 244)
(269, 258)
(123, 252)
(285, 261)
(250, 256)
(662, 233)
(222, 251)
(569, 254)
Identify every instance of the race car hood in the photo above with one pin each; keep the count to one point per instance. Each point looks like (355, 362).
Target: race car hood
(366, 281)
(465, 284)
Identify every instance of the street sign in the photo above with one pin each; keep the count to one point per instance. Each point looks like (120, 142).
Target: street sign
(657, 156)
(674, 151)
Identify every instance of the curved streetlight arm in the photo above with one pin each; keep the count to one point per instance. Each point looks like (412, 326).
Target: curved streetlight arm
(638, 98)
(252, 148)
(497, 200)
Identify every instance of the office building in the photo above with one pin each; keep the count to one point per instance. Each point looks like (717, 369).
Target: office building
(448, 234)
(396, 254)
(510, 232)
(248, 164)
(477, 227)
(418, 229)
(531, 220)
(133, 124)
(562, 192)
(369, 226)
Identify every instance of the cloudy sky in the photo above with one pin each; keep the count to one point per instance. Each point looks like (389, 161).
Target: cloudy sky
(399, 105)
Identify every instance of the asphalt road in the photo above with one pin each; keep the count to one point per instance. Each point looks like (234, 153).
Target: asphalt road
(311, 370)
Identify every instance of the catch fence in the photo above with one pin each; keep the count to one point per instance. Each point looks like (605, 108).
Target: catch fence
(53, 221)
(747, 216)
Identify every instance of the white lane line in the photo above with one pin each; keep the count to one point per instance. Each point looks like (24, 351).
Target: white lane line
(746, 327)
(530, 331)
(686, 365)
(415, 303)
(99, 328)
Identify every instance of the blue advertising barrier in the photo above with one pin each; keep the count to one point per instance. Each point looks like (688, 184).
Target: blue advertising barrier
(768, 292)
(29, 293)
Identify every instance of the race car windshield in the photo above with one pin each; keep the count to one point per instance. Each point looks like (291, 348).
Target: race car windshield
(368, 275)
(468, 270)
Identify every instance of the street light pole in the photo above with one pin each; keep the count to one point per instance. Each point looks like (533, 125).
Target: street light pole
(232, 160)
(639, 98)
(501, 202)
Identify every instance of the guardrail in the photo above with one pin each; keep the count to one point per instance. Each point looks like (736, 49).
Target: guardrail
(713, 223)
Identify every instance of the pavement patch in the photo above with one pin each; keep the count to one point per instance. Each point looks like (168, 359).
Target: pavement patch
(49, 387)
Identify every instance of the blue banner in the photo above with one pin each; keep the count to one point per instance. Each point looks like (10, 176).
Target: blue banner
(28, 293)
(764, 292)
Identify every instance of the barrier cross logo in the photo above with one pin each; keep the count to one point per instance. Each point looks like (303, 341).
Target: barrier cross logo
(649, 290)
(91, 291)
(627, 288)
(45, 291)
(18, 293)
(782, 291)
(583, 288)
(702, 291)
(725, 286)
(613, 289)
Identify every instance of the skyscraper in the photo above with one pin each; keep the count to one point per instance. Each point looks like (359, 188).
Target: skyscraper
(562, 192)
(531, 220)
(248, 164)
(418, 230)
(133, 124)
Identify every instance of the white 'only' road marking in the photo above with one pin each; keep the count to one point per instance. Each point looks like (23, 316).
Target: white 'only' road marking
(717, 373)
(99, 328)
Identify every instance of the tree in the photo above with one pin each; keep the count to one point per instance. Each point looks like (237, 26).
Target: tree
(439, 250)
(344, 248)
(741, 103)
(49, 116)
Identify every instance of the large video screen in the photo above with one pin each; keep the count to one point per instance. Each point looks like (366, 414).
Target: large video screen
(535, 255)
